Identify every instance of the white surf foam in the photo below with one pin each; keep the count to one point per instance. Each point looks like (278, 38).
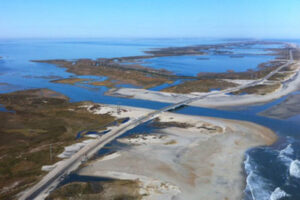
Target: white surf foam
(288, 150)
(256, 186)
(259, 188)
(278, 194)
(295, 168)
(285, 154)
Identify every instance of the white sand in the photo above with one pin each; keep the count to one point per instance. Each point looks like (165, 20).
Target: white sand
(72, 149)
(117, 111)
(186, 163)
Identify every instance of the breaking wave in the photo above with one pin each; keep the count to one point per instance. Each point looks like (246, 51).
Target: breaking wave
(285, 154)
(259, 183)
(295, 168)
(257, 186)
(277, 194)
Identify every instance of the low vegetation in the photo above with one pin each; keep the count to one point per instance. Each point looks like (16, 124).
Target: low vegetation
(205, 85)
(71, 80)
(109, 190)
(263, 70)
(107, 83)
(281, 76)
(128, 74)
(159, 124)
(259, 89)
(291, 67)
(40, 118)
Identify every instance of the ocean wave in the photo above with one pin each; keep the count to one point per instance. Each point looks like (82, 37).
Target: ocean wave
(295, 168)
(257, 187)
(261, 187)
(278, 194)
(285, 155)
(288, 150)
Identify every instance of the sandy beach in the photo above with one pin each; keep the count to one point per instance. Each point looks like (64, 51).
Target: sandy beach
(201, 161)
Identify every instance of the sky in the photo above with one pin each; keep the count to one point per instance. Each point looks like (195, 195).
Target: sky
(150, 18)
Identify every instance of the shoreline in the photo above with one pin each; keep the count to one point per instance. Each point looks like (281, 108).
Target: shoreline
(152, 150)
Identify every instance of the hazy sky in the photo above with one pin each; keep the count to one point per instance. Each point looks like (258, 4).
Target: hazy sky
(150, 18)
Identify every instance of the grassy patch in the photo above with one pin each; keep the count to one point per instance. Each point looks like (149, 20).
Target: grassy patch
(292, 67)
(42, 117)
(112, 190)
(200, 86)
(159, 124)
(259, 89)
(129, 74)
(107, 83)
(71, 80)
(280, 76)
(263, 70)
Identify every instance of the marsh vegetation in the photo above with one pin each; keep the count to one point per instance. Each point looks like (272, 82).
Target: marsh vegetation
(40, 118)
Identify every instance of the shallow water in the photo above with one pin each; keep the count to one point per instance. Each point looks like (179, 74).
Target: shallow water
(191, 65)
(266, 167)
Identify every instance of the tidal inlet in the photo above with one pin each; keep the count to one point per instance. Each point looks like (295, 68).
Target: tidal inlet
(157, 100)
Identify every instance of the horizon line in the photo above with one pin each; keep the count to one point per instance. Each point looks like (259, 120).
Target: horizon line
(164, 37)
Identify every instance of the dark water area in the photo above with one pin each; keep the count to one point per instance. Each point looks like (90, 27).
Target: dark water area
(3, 109)
(113, 146)
(73, 177)
(166, 85)
(272, 172)
(82, 133)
